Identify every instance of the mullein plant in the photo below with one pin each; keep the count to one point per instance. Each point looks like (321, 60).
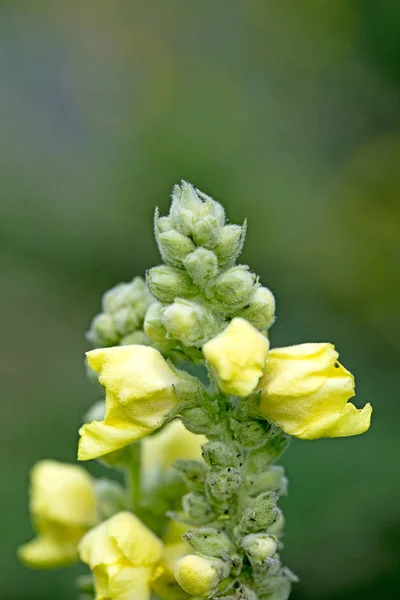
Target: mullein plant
(197, 411)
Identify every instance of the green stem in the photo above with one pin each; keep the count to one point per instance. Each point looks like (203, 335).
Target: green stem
(133, 478)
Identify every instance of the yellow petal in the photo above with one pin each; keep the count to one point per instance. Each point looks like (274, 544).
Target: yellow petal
(62, 493)
(98, 438)
(173, 442)
(98, 548)
(237, 357)
(130, 583)
(137, 543)
(306, 391)
(196, 575)
(46, 553)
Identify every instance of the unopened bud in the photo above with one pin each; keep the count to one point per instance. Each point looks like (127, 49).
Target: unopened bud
(206, 231)
(193, 473)
(137, 338)
(273, 479)
(233, 288)
(184, 207)
(220, 455)
(126, 320)
(260, 311)
(224, 483)
(259, 546)
(174, 246)
(202, 266)
(261, 513)
(230, 244)
(197, 509)
(102, 332)
(133, 295)
(190, 322)
(211, 207)
(279, 525)
(209, 541)
(153, 325)
(167, 283)
(200, 576)
(200, 420)
(251, 433)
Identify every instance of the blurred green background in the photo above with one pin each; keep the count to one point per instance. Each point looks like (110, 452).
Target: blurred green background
(286, 111)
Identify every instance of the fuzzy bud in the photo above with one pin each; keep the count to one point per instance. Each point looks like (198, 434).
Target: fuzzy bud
(224, 483)
(220, 455)
(201, 420)
(133, 295)
(174, 246)
(153, 325)
(273, 479)
(230, 244)
(260, 311)
(190, 322)
(232, 289)
(184, 208)
(197, 509)
(251, 433)
(137, 338)
(206, 231)
(167, 283)
(209, 541)
(102, 331)
(259, 546)
(202, 266)
(126, 320)
(193, 473)
(200, 576)
(279, 525)
(261, 513)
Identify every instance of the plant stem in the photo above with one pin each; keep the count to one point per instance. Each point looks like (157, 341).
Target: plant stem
(133, 478)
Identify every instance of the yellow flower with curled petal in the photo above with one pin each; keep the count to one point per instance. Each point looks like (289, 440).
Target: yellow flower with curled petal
(306, 392)
(139, 395)
(173, 442)
(237, 357)
(63, 507)
(122, 554)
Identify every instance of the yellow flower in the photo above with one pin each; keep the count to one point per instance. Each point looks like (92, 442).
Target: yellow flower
(122, 554)
(305, 391)
(139, 395)
(237, 357)
(173, 442)
(63, 507)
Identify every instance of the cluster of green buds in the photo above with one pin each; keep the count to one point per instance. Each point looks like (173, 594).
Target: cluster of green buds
(121, 320)
(200, 288)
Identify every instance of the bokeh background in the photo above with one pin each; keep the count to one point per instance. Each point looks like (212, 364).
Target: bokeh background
(287, 112)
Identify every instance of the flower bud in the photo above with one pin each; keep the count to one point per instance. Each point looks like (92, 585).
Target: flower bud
(232, 289)
(251, 433)
(211, 207)
(200, 420)
(193, 473)
(224, 483)
(126, 320)
(261, 513)
(167, 283)
(102, 331)
(259, 546)
(197, 509)
(209, 541)
(189, 322)
(206, 231)
(184, 208)
(202, 266)
(174, 246)
(133, 295)
(230, 244)
(153, 325)
(199, 576)
(162, 223)
(273, 479)
(137, 338)
(277, 527)
(220, 455)
(260, 311)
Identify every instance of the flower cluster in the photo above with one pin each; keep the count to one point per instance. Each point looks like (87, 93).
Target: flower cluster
(199, 517)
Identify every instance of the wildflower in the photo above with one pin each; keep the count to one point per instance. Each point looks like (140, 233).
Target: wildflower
(197, 575)
(63, 507)
(306, 392)
(122, 554)
(139, 395)
(237, 357)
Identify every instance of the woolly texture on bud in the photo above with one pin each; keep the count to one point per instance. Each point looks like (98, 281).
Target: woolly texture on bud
(197, 575)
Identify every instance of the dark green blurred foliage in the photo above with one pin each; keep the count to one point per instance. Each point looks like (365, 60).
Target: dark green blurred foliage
(288, 113)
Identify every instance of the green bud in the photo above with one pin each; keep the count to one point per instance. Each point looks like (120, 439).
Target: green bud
(230, 244)
(193, 473)
(210, 542)
(197, 509)
(211, 207)
(167, 283)
(126, 320)
(133, 295)
(206, 231)
(232, 289)
(153, 324)
(273, 479)
(202, 266)
(259, 546)
(261, 458)
(174, 246)
(201, 420)
(220, 455)
(184, 208)
(102, 332)
(190, 322)
(279, 525)
(162, 223)
(136, 338)
(224, 483)
(260, 311)
(261, 513)
(111, 497)
(251, 433)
